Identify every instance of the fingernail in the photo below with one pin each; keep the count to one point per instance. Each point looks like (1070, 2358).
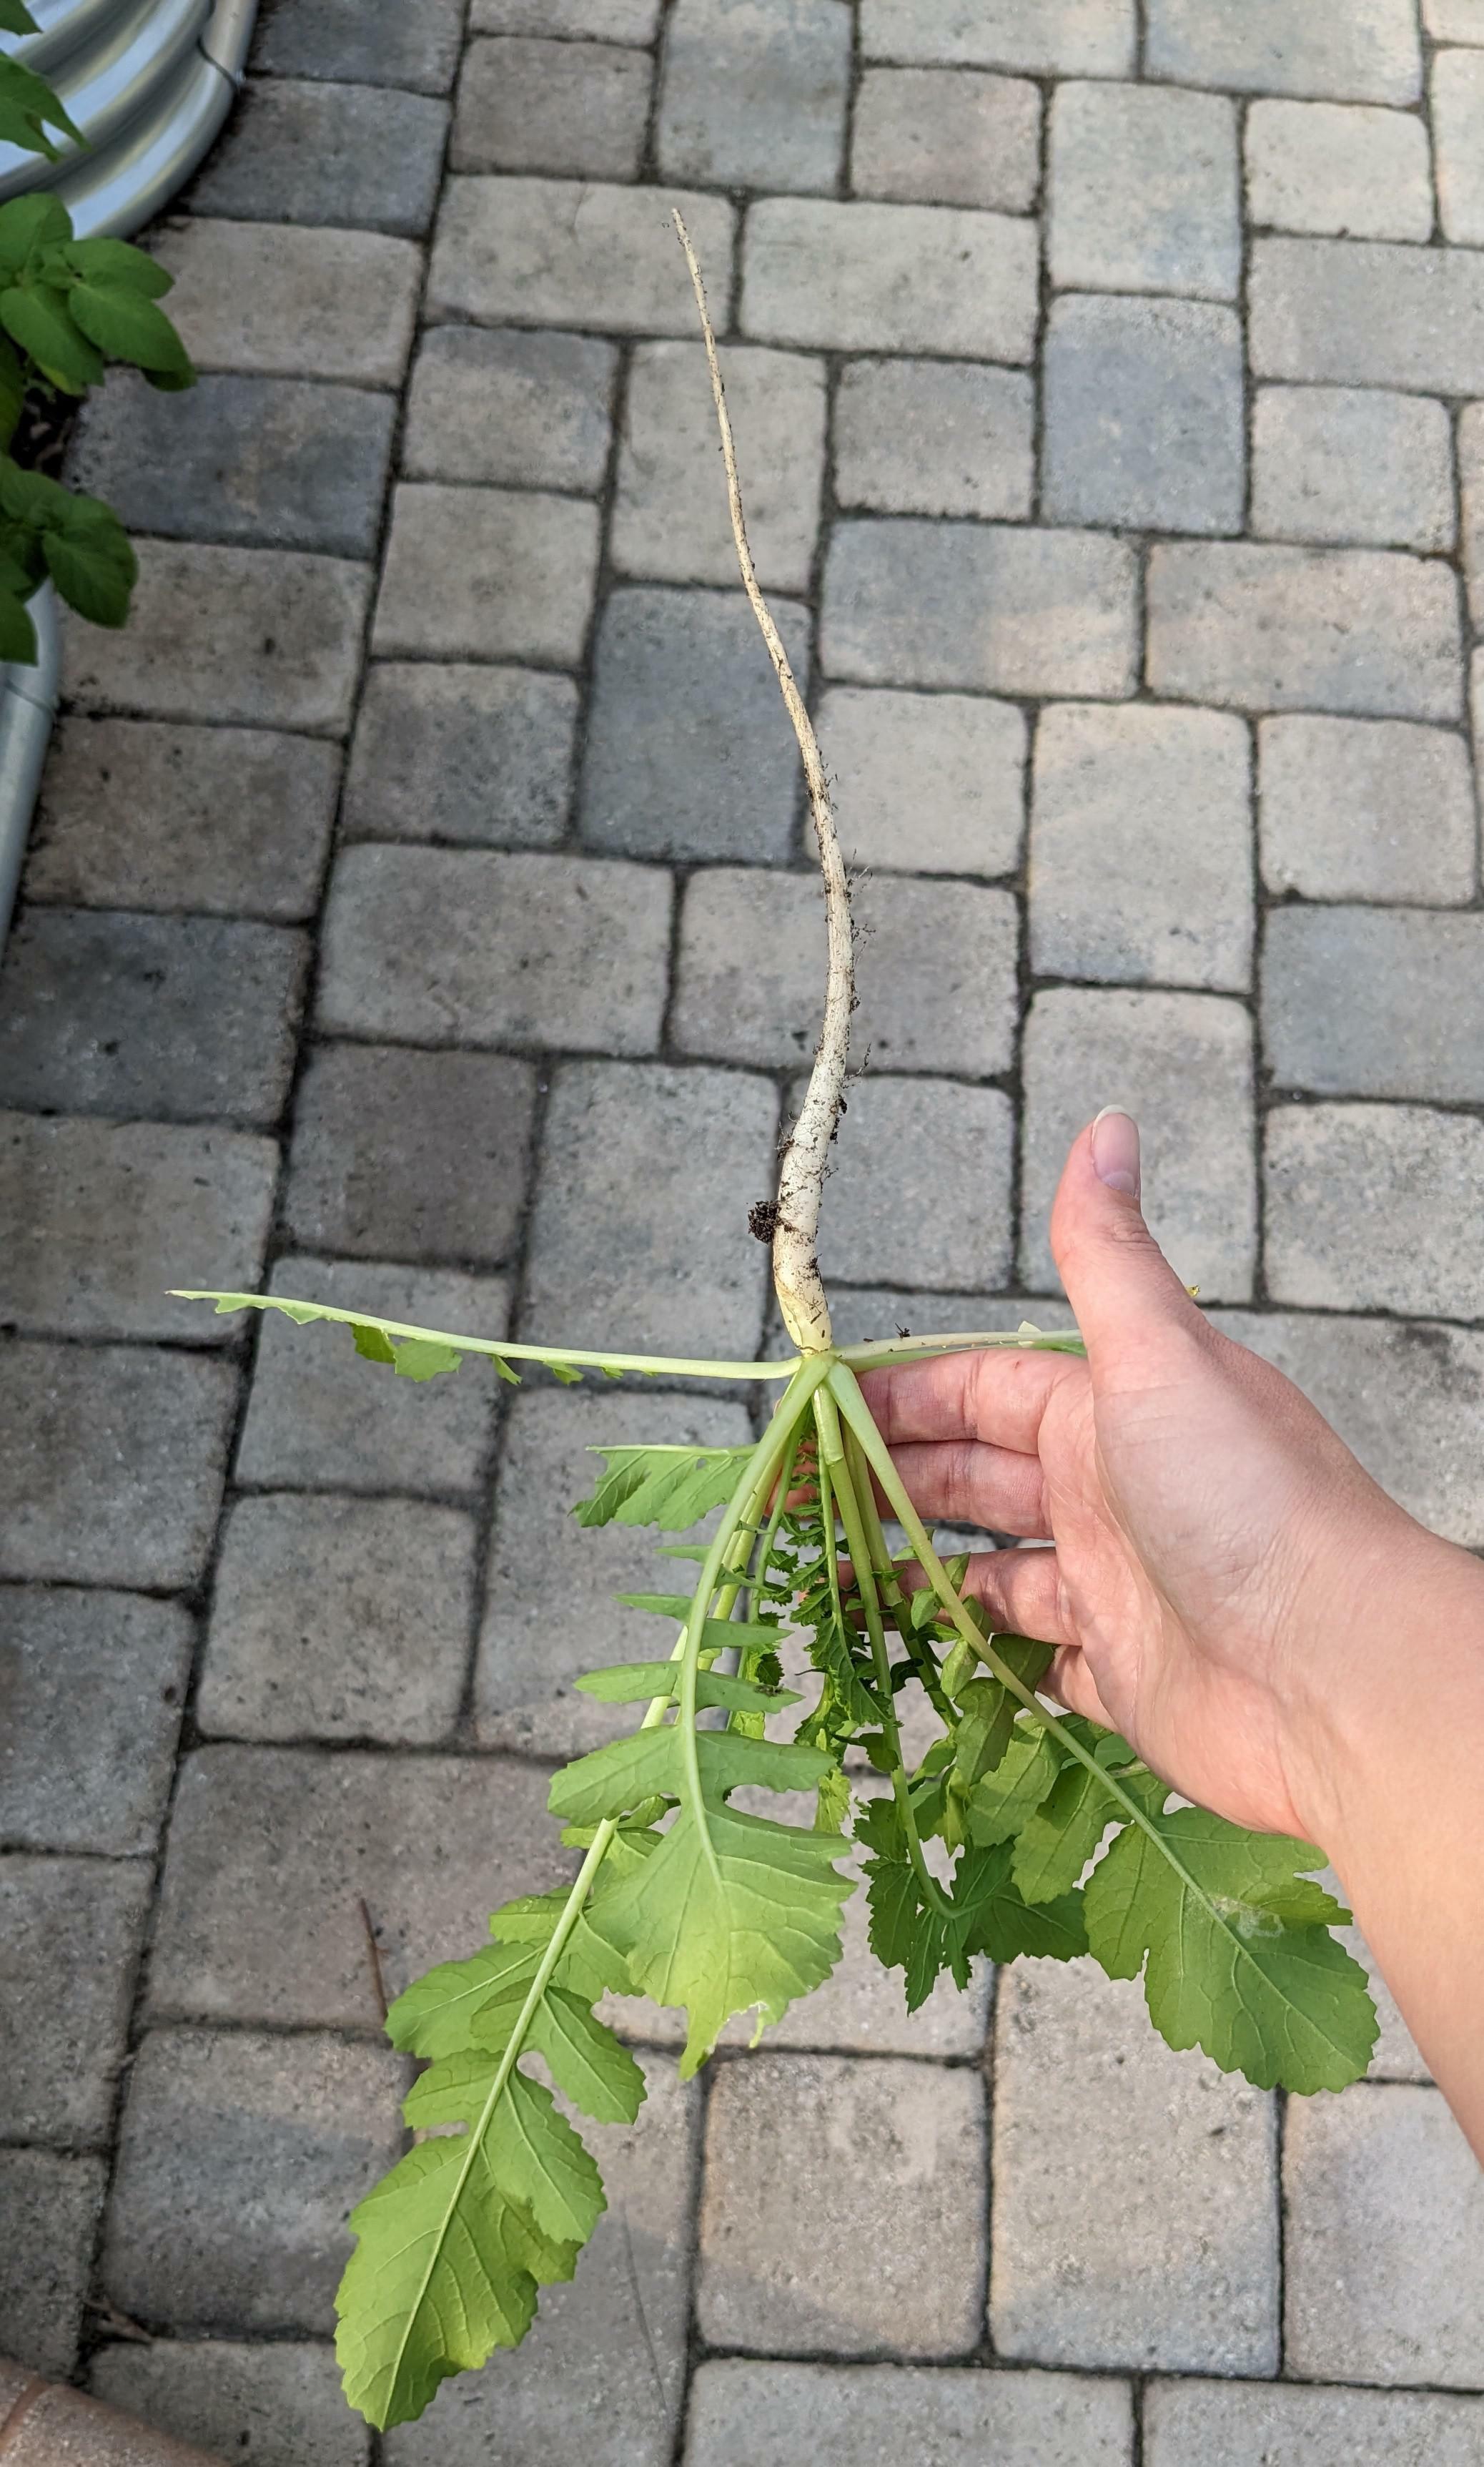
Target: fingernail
(1116, 1149)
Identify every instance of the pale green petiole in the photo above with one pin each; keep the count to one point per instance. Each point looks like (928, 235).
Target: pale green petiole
(857, 1412)
(861, 1357)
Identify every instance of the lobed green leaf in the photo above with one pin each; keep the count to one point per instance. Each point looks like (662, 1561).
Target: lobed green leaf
(1235, 1947)
(673, 1487)
(636, 1683)
(651, 1764)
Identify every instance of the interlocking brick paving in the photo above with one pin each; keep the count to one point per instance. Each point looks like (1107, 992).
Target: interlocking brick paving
(420, 910)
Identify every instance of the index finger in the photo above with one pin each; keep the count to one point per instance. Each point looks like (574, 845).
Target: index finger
(1000, 1394)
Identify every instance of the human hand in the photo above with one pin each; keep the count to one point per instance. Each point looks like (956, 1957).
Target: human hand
(1225, 1573)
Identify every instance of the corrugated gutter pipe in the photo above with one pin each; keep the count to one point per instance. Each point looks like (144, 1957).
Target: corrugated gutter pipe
(150, 82)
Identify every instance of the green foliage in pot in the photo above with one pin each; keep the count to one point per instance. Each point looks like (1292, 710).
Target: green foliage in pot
(67, 307)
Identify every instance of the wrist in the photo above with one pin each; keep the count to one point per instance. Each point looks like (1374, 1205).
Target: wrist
(1390, 1741)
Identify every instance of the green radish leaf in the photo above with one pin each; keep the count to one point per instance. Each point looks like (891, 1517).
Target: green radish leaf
(673, 1487)
(453, 2244)
(15, 19)
(370, 1343)
(1002, 1800)
(38, 321)
(415, 1358)
(635, 1683)
(1056, 1843)
(652, 1763)
(677, 1607)
(1240, 1961)
(729, 1911)
(594, 2069)
(989, 1916)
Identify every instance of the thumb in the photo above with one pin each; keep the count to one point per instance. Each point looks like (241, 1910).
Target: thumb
(1118, 1279)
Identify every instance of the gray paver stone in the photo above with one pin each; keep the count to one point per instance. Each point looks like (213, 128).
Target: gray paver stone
(1363, 313)
(436, 945)
(1283, 2425)
(535, 1641)
(670, 520)
(1455, 21)
(1176, 2265)
(317, 1599)
(273, 461)
(318, 1418)
(224, 821)
(375, 42)
(926, 783)
(602, 2374)
(269, 636)
(614, 21)
(1144, 415)
(1457, 97)
(351, 155)
(530, 106)
(1375, 1208)
(98, 1219)
(868, 277)
(1049, 38)
(92, 1684)
(1332, 463)
(1384, 2234)
(1419, 1030)
(111, 1463)
(936, 137)
(280, 2402)
(1012, 609)
(581, 253)
(1428, 1456)
(273, 1851)
(51, 2203)
(1366, 809)
(530, 410)
(963, 1240)
(1368, 51)
(925, 436)
(461, 752)
(104, 1013)
(689, 753)
(239, 2159)
(275, 300)
(1350, 170)
(1281, 628)
(401, 1155)
(638, 1237)
(935, 976)
(1141, 862)
(755, 93)
(856, 2415)
(491, 574)
(1144, 191)
(1471, 483)
(1182, 1064)
(424, 946)
(895, 2252)
(69, 1940)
